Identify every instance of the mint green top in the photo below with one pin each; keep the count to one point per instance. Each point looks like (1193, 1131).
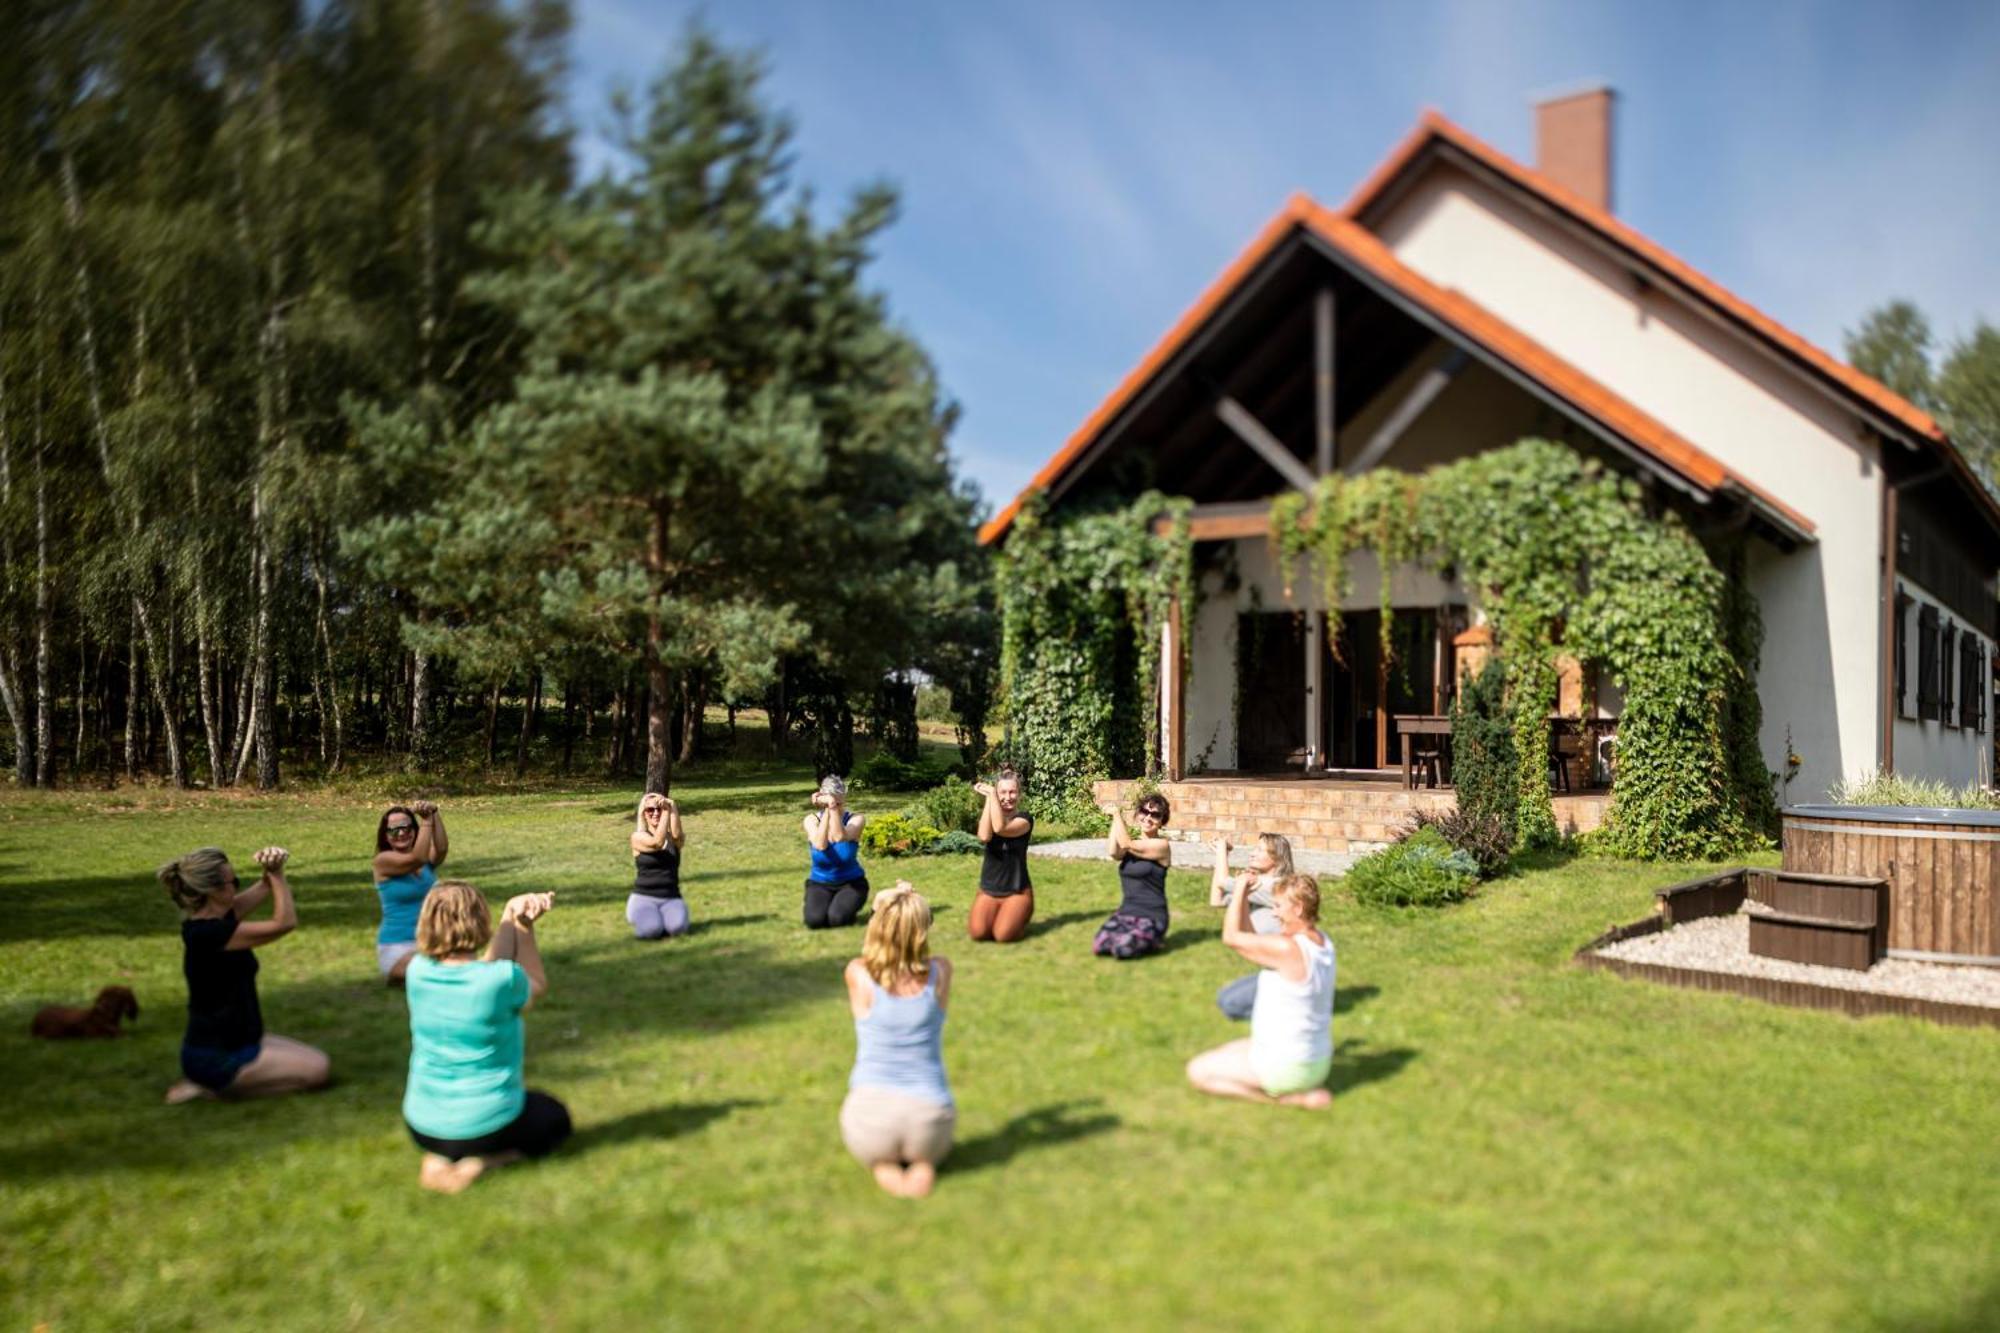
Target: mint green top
(465, 1047)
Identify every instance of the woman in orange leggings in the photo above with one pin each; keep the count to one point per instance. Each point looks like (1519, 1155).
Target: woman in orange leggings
(1006, 900)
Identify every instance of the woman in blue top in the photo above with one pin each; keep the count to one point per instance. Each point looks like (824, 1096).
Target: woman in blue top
(466, 1103)
(899, 1116)
(409, 847)
(836, 887)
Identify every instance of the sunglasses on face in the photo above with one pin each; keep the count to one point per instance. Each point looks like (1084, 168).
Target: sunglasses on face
(395, 829)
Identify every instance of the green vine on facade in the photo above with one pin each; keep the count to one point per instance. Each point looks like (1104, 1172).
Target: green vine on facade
(1562, 556)
(1084, 605)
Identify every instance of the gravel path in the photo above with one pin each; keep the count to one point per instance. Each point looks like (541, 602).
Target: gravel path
(1722, 944)
(1197, 856)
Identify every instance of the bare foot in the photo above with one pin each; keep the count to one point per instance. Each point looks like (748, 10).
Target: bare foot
(918, 1177)
(187, 1090)
(444, 1176)
(890, 1177)
(1312, 1099)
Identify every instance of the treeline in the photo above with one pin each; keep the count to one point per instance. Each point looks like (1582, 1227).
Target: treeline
(333, 412)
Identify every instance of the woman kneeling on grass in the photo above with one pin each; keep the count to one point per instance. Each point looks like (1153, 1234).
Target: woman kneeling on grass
(655, 907)
(898, 1117)
(836, 886)
(1005, 902)
(466, 1104)
(1290, 1048)
(226, 1052)
(410, 844)
(1139, 926)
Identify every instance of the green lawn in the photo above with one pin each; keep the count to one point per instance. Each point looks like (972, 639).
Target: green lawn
(1513, 1142)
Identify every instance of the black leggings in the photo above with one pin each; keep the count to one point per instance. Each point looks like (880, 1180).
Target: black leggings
(834, 904)
(538, 1131)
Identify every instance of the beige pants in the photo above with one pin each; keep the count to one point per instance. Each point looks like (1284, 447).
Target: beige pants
(883, 1126)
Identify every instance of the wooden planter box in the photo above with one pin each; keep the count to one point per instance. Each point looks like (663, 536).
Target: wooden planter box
(1825, 920)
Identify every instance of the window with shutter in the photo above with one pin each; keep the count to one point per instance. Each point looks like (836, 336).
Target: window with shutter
(1927, 663)
(1971, 681)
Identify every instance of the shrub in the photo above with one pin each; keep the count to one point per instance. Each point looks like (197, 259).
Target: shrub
(896, 835)
(1483, 837)
(1423, 870)
(883, 771)
(951, 805)
(1880, 788)
(955, 842)
(1484, 767)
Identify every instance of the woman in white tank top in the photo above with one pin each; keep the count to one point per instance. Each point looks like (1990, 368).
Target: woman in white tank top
(1290, 1048)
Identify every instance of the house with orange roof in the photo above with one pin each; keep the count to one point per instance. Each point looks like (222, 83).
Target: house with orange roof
(1457, 302)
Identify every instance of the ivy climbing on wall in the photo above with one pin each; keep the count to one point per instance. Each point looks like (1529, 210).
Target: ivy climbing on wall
(1083, 604)
(1562, 555)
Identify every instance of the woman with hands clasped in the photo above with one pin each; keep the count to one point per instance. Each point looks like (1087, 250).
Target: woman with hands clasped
(410, 845)
(1290, 1048)
(899, 1115)
(655, 907)
(467, 1104)
(1139, 926)
(1005, 902)
(226, 1052)
(836, 886)
(1270, 862)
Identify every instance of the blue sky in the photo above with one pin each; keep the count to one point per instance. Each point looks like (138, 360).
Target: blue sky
(1073, 174)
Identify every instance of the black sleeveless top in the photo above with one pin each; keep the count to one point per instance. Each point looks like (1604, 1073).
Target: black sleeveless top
(658, 874)
(223, 1014)
(1003, 871)
(1145, 886)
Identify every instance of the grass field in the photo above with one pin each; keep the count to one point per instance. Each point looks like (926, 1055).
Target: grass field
(1513, 1142)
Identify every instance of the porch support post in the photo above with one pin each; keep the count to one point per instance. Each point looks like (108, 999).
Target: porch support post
(1173, 709)
(1268, 447)
(1314, 635)
(1323, 451)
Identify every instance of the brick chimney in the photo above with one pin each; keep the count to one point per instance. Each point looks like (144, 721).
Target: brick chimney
(1573, 142)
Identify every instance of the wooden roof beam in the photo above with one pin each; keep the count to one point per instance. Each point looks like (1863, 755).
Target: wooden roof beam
(1420, 396)
(1268, 446)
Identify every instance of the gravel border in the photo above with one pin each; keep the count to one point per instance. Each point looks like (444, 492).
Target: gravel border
(1722, 944)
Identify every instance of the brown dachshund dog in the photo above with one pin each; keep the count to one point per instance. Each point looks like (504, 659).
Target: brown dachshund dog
(99, 1020)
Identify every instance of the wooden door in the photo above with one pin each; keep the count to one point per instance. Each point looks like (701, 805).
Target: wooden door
(1270, 691)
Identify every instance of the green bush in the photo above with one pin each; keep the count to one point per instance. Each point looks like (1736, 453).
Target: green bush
(883, 771)
(1484, 768)
(896, 835)
(1893, 789)
(1423, 870)
(955, 842)
(951, 805)
(1483, 837)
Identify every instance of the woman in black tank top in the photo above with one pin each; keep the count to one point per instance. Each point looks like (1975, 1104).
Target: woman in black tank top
(1139, 926)
(655, 909)
(1005, 902)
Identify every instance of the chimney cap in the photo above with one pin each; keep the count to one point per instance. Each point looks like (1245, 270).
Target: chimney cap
(1569, 92)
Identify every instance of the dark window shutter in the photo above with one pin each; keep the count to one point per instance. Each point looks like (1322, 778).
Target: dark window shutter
(1905, 707)
(1927, 663)
(1947, 675)
(1970, 681)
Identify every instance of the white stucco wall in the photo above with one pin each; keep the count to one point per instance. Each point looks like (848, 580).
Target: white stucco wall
(1930, 749)
(1822, 655)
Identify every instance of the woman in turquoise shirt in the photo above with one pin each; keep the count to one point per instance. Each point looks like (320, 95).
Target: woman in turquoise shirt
(466, 1104)
(410, 845)
(836, 886)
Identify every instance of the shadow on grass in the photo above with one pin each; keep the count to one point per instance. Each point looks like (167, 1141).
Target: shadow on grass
(1354, 1065)
(1048, 925)
(1043, 1127)
(1349, 997)
(657, 1123)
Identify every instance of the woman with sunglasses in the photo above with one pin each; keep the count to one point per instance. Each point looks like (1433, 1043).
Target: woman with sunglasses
(655, 907)
(1139, 926)
(410, 845)
(226, 1052)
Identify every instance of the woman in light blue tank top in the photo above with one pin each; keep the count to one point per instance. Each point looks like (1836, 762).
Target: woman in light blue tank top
(899, 1115)
(410, 845)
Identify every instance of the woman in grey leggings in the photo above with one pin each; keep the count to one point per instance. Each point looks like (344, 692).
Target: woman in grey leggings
(1270, 864)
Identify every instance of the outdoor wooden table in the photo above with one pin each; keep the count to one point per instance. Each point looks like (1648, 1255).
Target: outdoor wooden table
(1418, 724)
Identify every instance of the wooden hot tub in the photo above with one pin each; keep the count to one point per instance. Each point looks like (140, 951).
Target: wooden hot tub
(1943, 869)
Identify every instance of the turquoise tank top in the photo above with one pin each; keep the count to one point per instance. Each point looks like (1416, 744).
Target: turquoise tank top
(838, 863)
(900, 1044)
(402, 899)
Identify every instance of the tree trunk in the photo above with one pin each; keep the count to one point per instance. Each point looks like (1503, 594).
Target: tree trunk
(332, 676)
(531, 704)
(12, 684)
(659, 716)
(45, 766)
(568, 723)
(492, 719)
(132, 700)
(420, 707)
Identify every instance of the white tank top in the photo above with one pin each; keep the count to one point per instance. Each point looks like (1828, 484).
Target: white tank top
(1292, 1022)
